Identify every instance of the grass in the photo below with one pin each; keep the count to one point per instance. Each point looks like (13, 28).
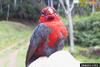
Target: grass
(88, 58)
(11, 32)
(21, 56)
(17, 34)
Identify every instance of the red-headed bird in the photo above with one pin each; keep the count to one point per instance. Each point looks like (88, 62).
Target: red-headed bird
(48, 37)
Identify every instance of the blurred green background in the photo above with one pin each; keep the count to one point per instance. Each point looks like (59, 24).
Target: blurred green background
(18, 19)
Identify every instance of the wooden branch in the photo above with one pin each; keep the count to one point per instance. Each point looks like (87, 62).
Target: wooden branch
(72, 6)
(67, 3)
(61, 2)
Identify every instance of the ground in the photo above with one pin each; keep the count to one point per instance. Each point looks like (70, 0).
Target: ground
(14, 40)
(9, 56)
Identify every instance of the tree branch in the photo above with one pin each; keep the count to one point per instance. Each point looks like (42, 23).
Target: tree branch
(61, 2)
(67, 3)
(72, 6)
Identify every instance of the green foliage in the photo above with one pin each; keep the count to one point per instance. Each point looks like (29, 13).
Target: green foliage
(83, 3)
(84, 7)
(24, 9)
(1, 13)
(87, 30)
(64, 20)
